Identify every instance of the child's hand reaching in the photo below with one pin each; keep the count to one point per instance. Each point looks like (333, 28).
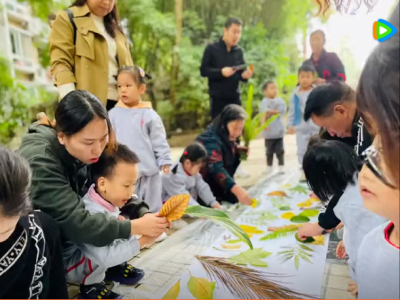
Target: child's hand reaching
(165, 169)
(217, 206)
(146, 241)
(341, 250)
(309, 230)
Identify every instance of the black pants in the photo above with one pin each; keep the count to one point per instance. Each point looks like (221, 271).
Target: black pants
(110, 104)
(217, 104)
(275, 146)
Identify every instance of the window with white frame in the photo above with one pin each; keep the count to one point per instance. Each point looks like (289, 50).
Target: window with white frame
(21, 44)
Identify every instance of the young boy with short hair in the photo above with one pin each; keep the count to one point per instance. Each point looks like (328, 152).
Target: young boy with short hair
(274, 133)
(297, 103)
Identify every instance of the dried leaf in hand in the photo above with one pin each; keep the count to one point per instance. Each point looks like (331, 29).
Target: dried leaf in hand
(201, 288)
(251, 257)
(309, 213)
(254, 203)
(299, 219)
(175, 207)
(173, 293)
(231, 247)
(251, 229)
(288, 215)
(277, 194)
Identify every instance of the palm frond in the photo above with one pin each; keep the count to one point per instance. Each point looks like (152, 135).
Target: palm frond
(279, 234)
(245, 283)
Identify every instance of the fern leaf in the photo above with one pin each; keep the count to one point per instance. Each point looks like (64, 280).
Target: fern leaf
(246, 283)
(306, 248)
(305, 258)
(278, 234)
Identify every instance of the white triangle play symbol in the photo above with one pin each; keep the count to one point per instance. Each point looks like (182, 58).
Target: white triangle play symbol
(382, 30)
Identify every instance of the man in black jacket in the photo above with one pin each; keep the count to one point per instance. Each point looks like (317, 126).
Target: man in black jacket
(224, 66)
(333, 107)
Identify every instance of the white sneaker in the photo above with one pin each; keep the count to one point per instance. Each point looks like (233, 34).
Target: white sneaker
(268, 170)
(241, 173)
(179, 224)
(161, 238)
(281, 170)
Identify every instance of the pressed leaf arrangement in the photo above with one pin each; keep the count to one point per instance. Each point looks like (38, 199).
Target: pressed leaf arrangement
(297, 253)
(220, 218)
(246, 283)
(280, 234)
(175, 207)
(201, 288)
(259, 218)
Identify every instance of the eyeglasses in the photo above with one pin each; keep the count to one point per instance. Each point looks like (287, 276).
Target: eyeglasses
(373, 159)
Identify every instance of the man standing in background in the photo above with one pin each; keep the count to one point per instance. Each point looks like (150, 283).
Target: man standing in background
(224, 66)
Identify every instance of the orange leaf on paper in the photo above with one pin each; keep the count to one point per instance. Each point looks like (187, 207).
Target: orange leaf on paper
(175, 207)
(277, 194)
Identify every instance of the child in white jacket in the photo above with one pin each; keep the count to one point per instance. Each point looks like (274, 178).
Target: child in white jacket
(185, 178)
(139, 127)
(114, 177)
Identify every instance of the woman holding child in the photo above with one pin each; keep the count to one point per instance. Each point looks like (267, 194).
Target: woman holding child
(221, 142)
(59, 155)
(87, 47)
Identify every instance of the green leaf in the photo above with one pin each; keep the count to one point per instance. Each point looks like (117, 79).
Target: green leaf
(233, 242)
(173, 293)
(285, 208)
(305, 258)
(306, 248)
(300, 219)
(296, 262)
(251, 257)
(201, 288)
(308, 240)
(278, 234)
(299, 189)
(305, 253)
(309, 213)
(219, 218)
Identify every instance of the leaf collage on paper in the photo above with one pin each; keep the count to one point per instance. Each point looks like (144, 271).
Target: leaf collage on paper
(251, 257)
(298, 253)
(280, 204)
(259, 218)
(175, 207)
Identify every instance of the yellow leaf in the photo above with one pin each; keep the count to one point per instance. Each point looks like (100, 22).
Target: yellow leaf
(286, 186)
(173, 293)
(201, 288)
(231, 247)
(314, 200)
(251, 229)
(175, 207)
(254, 203)
(319, 240)
(278, 194)
(288, 215)
(306, 203)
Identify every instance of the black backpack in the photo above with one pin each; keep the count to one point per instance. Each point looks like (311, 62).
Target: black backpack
(71, 19)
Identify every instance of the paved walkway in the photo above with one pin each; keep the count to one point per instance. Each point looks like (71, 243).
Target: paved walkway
(165, 262)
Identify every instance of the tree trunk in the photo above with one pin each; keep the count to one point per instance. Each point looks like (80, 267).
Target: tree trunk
(175, 54)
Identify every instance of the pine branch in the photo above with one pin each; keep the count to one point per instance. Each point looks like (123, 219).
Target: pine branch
(245, 283)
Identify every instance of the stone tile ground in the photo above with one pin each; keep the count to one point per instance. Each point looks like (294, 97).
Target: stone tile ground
(165, 262)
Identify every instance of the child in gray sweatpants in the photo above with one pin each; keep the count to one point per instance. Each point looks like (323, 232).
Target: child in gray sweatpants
(274, 133)
(114, 176)
(297, 103)
(139, 127)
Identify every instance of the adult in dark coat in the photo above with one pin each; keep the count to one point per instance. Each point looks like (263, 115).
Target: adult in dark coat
(224, 65)
(327, 64)
(221, 140)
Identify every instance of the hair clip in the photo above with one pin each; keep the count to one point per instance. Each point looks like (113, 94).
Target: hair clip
(142, 73)
(185, 153)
